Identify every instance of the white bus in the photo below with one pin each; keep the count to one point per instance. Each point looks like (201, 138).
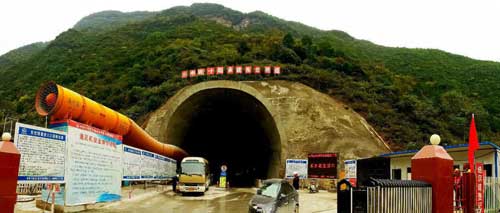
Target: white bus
(194, 175)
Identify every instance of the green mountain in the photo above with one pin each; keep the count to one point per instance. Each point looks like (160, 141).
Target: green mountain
(131, 62)
(20, 55)
(110, 19)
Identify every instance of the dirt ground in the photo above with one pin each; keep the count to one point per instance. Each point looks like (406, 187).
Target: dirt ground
(215, 200)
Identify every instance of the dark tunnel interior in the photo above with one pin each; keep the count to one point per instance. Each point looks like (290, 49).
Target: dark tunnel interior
(227, 126)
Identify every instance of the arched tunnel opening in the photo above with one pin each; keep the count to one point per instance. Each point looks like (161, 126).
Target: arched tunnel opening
(231, 127)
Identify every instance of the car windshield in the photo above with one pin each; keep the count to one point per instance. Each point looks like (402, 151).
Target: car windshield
(193, 168)
(270, 190)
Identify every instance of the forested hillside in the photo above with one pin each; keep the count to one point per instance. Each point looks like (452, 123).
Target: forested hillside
(131, 62)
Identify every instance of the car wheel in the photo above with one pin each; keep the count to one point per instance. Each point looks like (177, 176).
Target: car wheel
(296, 210)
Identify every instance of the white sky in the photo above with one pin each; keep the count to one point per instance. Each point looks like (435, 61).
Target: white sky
(470, 28)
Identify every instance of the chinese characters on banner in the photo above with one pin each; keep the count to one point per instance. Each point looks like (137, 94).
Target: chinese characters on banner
(239, 70)
(480, 173)
(230, 70)
(42, 154)
(192, 73)
(256, 70)
(322, 165)
(200, 72)
(220, 71)
(267, 70)
(210, 71)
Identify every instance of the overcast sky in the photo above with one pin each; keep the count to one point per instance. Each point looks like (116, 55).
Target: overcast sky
(470, 28)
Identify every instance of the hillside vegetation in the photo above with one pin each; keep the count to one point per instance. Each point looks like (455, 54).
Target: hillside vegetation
(131, 62)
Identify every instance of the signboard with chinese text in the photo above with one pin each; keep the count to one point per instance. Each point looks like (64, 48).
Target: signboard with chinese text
(131, 163)
(166, 167)
(42, 154)
(296, 165)
(139, 164)
(350, 171)
(148, 165)
(93, 164)
(322, 165)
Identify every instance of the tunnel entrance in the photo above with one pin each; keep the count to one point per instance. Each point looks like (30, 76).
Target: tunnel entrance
(228, 126)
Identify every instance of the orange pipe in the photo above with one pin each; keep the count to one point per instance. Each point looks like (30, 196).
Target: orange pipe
(62, 103)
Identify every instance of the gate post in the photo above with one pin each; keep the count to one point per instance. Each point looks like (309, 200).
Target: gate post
(9, 170)
(434, 165)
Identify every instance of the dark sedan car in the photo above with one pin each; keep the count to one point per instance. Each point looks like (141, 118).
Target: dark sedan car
(276, 195)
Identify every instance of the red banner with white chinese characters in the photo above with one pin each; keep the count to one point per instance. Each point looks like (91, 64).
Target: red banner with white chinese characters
(480, 173)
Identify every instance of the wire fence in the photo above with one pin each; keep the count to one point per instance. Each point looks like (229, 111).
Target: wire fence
(491, 194)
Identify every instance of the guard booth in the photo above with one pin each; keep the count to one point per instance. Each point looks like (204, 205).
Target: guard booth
(384, 195)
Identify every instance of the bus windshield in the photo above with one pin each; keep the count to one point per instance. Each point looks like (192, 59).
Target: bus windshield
(193, 168)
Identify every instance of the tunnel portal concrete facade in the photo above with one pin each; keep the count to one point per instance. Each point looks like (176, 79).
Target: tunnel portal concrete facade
(301, 120)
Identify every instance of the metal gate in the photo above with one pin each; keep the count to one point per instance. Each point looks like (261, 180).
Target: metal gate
(381, 195)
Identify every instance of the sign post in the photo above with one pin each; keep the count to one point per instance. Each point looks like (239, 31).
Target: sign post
(223, 176)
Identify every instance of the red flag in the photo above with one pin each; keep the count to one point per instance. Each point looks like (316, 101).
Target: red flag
(473, 142)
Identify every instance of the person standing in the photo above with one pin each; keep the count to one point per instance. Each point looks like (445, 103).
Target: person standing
(296, 180)
(175, 179)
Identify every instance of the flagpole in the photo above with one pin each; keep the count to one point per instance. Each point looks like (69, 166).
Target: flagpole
(474, 152)
(474, 162)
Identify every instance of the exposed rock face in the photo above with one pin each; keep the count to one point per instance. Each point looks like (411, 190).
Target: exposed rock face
(306, 120)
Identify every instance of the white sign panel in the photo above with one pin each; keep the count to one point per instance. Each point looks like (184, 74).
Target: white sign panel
(149, 165)
(94, 164)
(296, 165)
(42, 154)
(131, 163)
(140, 164)
(166, 167)
(350, 168)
